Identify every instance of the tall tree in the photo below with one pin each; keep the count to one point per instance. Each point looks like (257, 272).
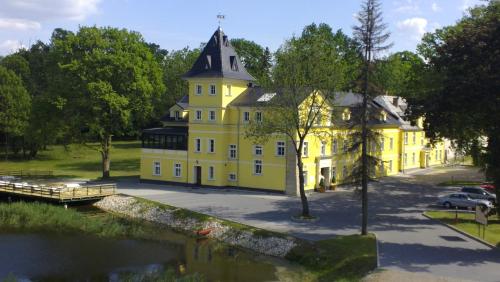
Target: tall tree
(308, 71)
(15, 105)
(394, 73)
(371, 35)
(457, 91)
(109, 79)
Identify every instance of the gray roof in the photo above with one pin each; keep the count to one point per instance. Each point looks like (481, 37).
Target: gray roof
(184, 102)
(219, 59)
(256, 96)
(397, 106)
(175, 130)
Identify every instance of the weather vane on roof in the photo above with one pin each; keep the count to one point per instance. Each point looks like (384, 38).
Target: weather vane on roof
(220, 17)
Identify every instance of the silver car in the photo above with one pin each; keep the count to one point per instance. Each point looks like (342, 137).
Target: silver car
(479, 193)
(462, 200)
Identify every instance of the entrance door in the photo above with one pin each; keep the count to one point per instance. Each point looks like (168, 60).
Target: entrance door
(197, 170)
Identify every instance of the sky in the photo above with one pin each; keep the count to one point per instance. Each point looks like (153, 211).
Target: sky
(177, 24)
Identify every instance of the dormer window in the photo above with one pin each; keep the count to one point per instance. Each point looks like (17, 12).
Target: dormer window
(234, 64)
(209, 62)
(383, 116)
(346, 114)
(177, 115)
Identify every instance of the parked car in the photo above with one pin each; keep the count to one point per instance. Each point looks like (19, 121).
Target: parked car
(479, 193)
(490, 187)
(462, 200)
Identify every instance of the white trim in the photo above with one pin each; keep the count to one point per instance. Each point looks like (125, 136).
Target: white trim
(255, 166)
(235, 152)
(254, 150)
(210, 90)
(197, 141)
(154, 168)
(212, 177)
(210, 116)
(175, 170)
(284, 148)
(229, 177)
(209, 148)
(196, 89)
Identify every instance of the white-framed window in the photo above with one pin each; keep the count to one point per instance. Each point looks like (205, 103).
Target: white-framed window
(257, 167)
(211, 145)
(280, 148)
(246, 116)
(211, 173)
(177, 115)
(305, 177)
(413, 158)
(334, 146)
(177, 170)
(258, 150)
(414, 138)
(228, 90)
(232, 151)
(199, 89)
(156, 168)
(390, 166)
(391, 143)
(232, 177)
(406, 138)
(436, 155)
(305, 149)
(212, 89)
(198, 115)
(197, 145)
(382, 144)
(319, 118)
(211, 115)
(258, 116)
(323, 148)
(405, 159)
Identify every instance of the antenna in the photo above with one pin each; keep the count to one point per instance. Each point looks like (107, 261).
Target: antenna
(220, 17)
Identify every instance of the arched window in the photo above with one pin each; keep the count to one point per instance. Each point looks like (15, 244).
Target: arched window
(346, 114)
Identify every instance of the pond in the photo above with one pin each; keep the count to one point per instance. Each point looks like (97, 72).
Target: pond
(64, 257)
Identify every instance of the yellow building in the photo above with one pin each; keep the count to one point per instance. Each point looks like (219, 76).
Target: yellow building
(202, 141)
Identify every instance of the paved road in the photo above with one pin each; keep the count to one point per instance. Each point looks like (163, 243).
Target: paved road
(407, 240)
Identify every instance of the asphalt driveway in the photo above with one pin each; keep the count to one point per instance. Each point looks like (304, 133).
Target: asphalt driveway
(407, 240)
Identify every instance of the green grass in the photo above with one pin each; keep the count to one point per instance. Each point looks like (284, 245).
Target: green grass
(78, 161)
(39, 217)
(467, 224)
(459, 183)
(343, 258)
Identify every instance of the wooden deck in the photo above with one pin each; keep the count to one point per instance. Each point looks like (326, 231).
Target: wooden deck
(59, 194)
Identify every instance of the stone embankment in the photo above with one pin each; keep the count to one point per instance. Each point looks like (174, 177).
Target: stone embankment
(261, 241)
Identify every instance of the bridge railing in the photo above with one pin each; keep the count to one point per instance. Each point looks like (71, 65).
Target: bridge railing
(27, 173)
(59, 193)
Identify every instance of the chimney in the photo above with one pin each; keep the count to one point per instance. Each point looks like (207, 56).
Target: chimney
(395, 101)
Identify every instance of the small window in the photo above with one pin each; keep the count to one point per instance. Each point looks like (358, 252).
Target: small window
(436, 155)
(390, 166)
(177, 170)
(346, 114)
(246, 116)
(382, 144)
(232, 177)
(345, 146)
(305, 149)
(406, 138)
(228, 90)
(323, 148)
(199, 89)
(257, 149)
(212, 89)
(391, 143)
(305, 177)
(405, 158)
(177, 115)
(211, 173)
(344, 172)
(232, 151)
(257, 167)
(258, 116)
(211, 115)
(280, 148)
(414, 138)
(413, 158)
(197, 145)
(198, 115)
(334, 146)
(156, 169)
(383, 116)
(211, 145)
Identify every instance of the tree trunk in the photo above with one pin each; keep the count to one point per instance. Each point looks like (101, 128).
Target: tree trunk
(6, 147)
(493, 164)
(105, 152)
(303, 198)
(364, 154)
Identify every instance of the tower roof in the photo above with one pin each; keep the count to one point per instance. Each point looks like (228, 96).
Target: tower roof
(219, 59)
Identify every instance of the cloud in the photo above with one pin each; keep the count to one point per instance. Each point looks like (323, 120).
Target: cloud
(435, 7)
(415, 27)
(18, 24)
(42, 10)
(407, 7)
(10, 46)
(467, 4)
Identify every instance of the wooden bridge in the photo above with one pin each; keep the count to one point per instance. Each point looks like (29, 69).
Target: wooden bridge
(61, 194)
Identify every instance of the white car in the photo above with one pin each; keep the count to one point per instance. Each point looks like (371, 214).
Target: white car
(462, 200)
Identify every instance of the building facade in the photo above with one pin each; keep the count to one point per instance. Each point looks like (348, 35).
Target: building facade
(202, 141)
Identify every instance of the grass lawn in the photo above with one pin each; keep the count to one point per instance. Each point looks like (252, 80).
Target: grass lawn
(78, 161)
(467, 224)
(343, 258)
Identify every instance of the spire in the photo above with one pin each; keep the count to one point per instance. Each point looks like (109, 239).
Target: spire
(219, 59)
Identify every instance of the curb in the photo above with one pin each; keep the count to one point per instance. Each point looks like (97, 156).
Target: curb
(377, 249)
(463, 233)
